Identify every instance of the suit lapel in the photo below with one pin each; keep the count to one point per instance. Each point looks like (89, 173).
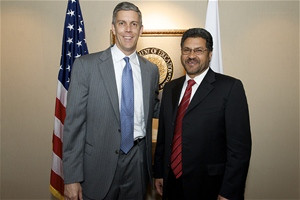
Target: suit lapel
(108, 74)
(176, 95)
(145, 73)
(203, 90)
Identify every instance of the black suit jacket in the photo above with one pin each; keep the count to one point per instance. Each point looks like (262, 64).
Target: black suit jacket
(216, 139)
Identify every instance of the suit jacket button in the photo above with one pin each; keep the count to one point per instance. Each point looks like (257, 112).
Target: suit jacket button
(119, 130)
(117, 152)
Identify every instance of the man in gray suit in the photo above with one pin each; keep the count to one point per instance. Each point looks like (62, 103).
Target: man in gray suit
(94, 165)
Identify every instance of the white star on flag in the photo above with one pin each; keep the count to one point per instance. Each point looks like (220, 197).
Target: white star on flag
(70, 40)
(71, 13)
(71, 27)
(79, 43)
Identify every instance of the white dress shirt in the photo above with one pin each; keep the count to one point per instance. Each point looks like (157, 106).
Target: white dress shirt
(198, 79)
(119, 64)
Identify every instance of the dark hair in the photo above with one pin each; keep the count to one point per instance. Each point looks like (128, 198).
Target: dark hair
(126, 6)
(198, 32)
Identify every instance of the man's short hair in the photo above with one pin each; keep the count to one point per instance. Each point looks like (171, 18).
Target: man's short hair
(198, 32)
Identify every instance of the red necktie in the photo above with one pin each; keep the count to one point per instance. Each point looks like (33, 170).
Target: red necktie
(176, 156)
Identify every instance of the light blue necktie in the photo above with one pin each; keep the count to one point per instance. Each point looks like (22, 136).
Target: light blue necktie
(127, 108)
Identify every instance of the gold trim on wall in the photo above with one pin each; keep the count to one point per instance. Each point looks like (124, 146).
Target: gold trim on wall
(163, 33)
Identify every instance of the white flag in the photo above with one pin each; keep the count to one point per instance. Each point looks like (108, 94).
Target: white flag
(212, 25)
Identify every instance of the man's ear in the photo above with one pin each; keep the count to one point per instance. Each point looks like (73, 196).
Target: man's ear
(142, 29)
(113, 29)
(210, 55)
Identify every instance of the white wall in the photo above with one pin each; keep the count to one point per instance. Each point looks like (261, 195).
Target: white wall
(260, 42)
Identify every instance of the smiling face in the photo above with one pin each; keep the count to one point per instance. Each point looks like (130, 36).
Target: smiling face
(127, 29)
(195, 62)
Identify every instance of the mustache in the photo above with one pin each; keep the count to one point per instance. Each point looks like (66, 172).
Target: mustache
(192, 59)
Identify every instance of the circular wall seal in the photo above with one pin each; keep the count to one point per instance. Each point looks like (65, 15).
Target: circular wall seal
(162, 60)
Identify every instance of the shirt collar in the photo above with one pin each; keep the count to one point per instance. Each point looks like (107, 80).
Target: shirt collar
(198, 79)
(119, 55)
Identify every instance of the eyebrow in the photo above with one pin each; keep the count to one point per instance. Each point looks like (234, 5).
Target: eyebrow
(126, 21)
(194, 48)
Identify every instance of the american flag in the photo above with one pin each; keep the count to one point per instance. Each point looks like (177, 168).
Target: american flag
(73, 46)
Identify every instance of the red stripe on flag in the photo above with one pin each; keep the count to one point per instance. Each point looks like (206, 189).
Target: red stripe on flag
(60, 111)
(57, 145)
(57, 182)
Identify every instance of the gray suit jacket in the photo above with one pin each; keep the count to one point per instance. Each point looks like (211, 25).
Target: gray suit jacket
(91, 137)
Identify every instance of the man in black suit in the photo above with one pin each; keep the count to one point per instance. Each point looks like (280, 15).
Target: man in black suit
(204, 141)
